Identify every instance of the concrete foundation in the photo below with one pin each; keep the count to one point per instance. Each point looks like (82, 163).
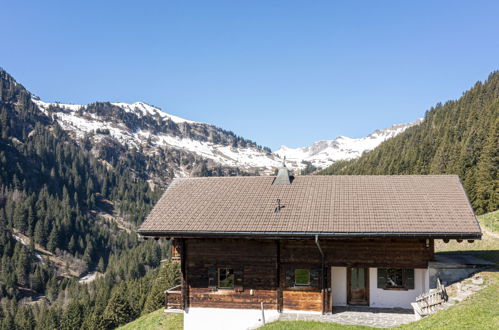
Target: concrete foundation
(454, 267)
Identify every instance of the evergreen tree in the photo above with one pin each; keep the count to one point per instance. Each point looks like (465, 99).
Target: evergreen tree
(118, 310)
(25, 319)
(168, 277)
(72, 317)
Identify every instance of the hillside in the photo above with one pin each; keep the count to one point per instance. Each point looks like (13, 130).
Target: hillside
(459, 137)
(157, 320)
(65, 214)
(158, 146)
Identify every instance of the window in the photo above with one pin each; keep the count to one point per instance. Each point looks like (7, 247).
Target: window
(302, 277)
(395, 278)
(226, 278)
(299, 278)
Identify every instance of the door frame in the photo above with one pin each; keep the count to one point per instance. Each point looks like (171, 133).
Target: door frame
(366, 286)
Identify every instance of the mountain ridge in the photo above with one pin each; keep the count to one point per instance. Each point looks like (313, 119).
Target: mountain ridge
(325, 152)
(217, 146)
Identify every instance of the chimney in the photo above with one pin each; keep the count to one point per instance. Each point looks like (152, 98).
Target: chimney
(282, 177)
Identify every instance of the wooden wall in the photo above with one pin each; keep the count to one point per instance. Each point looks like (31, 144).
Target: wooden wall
(265, 262)
(402, 253)
(256, 258)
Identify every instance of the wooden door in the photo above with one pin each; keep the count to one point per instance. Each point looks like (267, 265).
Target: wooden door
(358, 286)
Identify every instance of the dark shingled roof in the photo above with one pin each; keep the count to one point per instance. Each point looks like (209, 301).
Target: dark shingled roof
(338, 206)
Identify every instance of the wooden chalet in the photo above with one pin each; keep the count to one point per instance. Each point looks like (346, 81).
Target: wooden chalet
(304, 244)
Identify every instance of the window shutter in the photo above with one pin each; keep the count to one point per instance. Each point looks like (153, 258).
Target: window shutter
(238, 279)
(212, 277)
(409, 279)
(290, 278)
(381, 278)
(315, 277)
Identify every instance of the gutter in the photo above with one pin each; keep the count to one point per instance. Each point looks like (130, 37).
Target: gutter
(322, 273)
(304, 234)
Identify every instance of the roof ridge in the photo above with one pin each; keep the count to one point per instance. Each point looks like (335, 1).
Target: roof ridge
(315, 176)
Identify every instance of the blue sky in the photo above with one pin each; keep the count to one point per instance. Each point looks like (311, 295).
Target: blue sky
(278, 72)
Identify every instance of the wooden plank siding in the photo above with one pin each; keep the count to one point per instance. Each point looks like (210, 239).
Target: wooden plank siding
(256, 258)
(302, 300)
(409, 253)
(264, 264)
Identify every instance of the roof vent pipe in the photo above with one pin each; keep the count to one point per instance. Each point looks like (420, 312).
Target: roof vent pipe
(278, 207)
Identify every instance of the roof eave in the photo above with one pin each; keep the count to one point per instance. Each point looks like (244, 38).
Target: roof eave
(283, 235)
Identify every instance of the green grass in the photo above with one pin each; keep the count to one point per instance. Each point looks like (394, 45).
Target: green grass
(158, 320)
(490, 221)
(487, 248)
(480, 311)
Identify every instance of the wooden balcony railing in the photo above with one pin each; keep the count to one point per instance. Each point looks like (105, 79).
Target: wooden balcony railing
(173, 299)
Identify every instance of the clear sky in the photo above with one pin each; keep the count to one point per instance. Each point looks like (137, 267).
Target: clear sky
(277, 72)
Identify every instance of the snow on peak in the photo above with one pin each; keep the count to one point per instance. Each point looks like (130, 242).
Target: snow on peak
(79, 125)
(146, 109)
(321, 153)
(324, 153)
(141, 108)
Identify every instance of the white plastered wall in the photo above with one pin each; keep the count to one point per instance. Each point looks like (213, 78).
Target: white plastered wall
(226, 319)
(379, 297)
(397, 298)
(339, 285)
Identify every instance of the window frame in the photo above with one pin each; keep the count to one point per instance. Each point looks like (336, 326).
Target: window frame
(404, 274)
(232, 271)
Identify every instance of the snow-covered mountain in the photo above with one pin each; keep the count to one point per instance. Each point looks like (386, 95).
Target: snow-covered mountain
(323, 153)
(157, 134)
(184, 145)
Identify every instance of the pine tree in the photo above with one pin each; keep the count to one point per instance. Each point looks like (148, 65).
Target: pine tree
(23, 266)
(53, 241)
(118, 311)
(100, 266)
(168, 277)
(72, 317)
(25, 319)
(40, 234)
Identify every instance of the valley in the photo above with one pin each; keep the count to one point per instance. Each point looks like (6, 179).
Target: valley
(76, 181)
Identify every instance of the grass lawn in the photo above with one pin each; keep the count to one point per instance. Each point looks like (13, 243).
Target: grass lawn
(479, 311)
(156, 320)
(487, 248)
(490, 221)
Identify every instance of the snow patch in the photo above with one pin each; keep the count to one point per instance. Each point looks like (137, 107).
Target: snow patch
(324, 153)
(90, 277)
(147, 109)
(320, 154)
